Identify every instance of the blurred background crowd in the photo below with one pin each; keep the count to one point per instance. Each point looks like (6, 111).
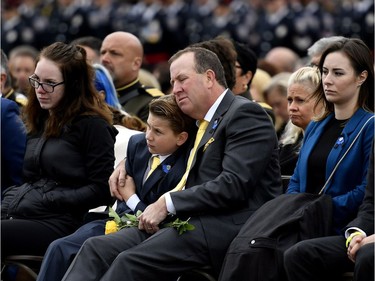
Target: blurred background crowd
(165, 26)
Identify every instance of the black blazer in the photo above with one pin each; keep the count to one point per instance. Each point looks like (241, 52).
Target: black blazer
(165, 177)
(236, 170)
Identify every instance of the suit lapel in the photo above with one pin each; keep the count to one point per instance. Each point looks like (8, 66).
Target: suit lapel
(347, 134)
(217, 118)
(140, 164)
(215, 122)
(156, 176)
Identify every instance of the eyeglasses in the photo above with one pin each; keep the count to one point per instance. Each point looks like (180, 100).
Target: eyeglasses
(47, 87)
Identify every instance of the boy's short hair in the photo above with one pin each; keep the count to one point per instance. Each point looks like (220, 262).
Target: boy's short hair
(166, 108)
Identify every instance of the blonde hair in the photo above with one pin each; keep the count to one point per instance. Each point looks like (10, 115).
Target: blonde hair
(309, 76)
(260, 80)
(291, 134)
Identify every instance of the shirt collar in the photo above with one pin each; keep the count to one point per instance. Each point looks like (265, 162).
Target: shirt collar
(161, 157)
(214, 107)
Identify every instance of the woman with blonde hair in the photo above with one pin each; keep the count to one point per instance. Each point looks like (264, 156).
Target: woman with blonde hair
(301, 86)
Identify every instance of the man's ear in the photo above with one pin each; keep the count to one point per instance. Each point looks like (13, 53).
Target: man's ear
(137, 62)
(210, 75)
(181, 138)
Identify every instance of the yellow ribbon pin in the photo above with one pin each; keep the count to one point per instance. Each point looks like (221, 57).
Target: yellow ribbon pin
(211, 140)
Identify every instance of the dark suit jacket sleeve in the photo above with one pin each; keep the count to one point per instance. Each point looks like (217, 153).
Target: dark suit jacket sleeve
(13, 144)
(228, 174)
(136, 162)
(365, 217)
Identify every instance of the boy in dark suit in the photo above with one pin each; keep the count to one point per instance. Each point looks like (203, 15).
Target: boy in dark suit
(166, 137)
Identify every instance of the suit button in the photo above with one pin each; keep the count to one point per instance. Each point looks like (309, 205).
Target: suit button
(252, 242)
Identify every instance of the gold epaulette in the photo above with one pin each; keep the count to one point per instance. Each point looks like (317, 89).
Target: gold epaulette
(154, 92)
(264, 105)
(21, 100)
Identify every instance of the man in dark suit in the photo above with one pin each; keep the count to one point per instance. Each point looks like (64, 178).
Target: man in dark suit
(166, 138)
(234, 171)
(328, 257)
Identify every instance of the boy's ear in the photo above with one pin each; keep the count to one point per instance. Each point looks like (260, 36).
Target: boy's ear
(181, 138)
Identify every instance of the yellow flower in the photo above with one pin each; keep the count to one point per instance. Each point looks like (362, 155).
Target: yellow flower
(129, 220)
(110, 227)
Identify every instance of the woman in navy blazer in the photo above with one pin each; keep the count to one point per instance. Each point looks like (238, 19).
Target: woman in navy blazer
(347, 90)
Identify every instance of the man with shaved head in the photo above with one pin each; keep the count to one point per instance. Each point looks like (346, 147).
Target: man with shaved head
(122, 54)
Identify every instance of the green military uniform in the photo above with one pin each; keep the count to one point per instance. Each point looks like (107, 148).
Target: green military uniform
(136, 97)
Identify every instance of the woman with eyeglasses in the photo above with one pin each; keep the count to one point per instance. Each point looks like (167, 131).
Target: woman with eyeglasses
(69, 154)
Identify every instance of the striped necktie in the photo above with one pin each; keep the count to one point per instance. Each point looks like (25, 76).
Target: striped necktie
(202, 128)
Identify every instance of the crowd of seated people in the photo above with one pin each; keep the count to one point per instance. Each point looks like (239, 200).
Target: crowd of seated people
(326, 105)
(167, 26)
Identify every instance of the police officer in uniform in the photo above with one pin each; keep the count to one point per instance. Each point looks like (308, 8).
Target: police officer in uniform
(122, 54)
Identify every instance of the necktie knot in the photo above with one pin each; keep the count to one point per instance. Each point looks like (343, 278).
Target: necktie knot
(203, 125)
(155, 162)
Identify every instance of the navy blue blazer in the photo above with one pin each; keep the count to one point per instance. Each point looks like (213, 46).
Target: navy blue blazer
(347, 186)
(13, 144)
(165, 177)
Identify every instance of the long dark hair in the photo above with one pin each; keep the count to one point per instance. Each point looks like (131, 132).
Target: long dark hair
(361, 60)
(80, 96)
